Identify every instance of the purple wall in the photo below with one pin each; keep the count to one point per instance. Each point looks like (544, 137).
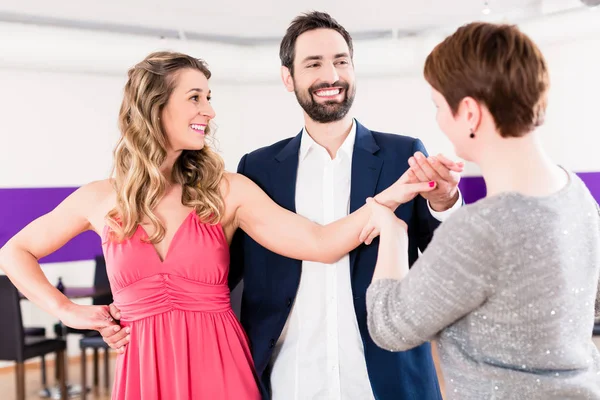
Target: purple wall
(592, 181)
(473, 187)
(18, 207)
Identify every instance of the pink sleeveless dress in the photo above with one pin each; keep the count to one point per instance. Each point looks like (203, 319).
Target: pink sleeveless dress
(186, 342)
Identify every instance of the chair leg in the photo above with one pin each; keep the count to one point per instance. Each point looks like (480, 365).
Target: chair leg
(83, 375)
(20, 375)
(44, 376)
(106, 369)
(56, 372)
(96, 367)
(62, 369)
(61, 333)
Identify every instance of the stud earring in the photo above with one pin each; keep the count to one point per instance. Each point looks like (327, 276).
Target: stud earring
(472, 135)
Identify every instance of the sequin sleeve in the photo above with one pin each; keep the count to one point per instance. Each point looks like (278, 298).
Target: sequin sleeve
(451, 278)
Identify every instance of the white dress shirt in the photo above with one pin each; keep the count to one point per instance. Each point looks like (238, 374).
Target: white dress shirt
(320, 353)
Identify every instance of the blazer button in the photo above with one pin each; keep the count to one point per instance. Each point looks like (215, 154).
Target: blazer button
(289, 302)
(272, 343)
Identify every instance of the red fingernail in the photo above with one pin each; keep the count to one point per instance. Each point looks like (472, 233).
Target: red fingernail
(431, 184)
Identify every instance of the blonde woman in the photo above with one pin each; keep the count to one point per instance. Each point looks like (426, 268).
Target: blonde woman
(166, 221)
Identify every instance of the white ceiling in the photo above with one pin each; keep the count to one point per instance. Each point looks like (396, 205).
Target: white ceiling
(252, 19)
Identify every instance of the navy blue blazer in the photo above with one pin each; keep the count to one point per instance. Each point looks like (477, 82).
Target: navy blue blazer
(271, 281)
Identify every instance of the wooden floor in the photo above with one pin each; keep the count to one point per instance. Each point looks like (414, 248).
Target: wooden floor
(33, 380)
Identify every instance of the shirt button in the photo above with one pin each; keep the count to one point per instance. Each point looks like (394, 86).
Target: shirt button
(289, 302)
(272, 343)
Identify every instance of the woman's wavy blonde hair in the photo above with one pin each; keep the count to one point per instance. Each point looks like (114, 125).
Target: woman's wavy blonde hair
(142, 149)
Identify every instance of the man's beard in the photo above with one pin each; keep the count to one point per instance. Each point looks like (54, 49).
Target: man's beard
(329, 111)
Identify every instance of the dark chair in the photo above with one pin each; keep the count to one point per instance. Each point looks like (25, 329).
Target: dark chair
(15, 346)
(100, 281)
(93, 342)
(34, 332)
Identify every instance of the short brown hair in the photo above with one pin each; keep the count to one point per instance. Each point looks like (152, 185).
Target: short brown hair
(304, 23)
(497, 65)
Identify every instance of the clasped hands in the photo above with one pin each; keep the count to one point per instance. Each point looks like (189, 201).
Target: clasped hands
(435, 178)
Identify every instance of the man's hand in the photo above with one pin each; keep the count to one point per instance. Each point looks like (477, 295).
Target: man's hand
(444, 172)
(116, 337)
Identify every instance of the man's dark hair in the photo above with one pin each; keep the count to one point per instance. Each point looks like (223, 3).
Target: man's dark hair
(304, 23)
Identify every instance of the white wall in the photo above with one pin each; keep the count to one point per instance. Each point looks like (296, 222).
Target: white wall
(58, 125)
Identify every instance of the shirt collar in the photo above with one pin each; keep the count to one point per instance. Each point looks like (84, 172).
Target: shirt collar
(307, 142)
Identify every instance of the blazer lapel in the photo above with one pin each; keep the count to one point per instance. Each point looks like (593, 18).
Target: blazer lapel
(366, 167)
(284, 173)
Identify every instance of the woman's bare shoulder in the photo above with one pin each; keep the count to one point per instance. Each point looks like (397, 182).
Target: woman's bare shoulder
(232, 184)
(99, 198)
(100, 188)
(232, 190)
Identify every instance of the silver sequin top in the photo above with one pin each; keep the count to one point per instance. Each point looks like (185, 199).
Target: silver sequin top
(508, 288)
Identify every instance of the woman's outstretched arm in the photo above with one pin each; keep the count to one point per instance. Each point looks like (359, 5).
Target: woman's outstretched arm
(294, 236)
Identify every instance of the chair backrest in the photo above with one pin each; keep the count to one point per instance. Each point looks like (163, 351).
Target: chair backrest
(101, 281)
(12, 336)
